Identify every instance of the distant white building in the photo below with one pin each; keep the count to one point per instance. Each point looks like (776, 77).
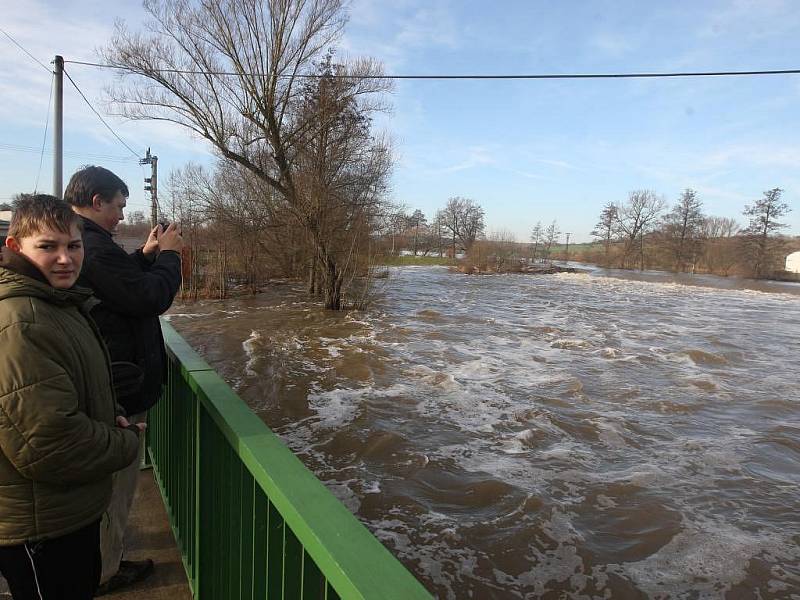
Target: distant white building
(793, 262)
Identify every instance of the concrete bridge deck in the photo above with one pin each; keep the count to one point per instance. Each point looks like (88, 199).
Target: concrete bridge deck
(150, 536)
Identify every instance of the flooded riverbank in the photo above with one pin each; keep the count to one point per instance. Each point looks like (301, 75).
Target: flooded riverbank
(570, 435)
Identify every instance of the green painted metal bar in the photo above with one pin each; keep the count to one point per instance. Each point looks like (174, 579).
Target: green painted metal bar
(250, 520)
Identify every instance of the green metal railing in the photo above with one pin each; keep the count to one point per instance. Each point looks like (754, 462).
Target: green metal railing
(250, 520)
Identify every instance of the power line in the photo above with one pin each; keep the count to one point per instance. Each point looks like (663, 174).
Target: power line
(469, 76)
(71, 154)
(89, 104)
(18, 45)
(44, 137)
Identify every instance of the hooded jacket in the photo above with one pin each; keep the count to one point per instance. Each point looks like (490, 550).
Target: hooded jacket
(59, 443)
(132, 293)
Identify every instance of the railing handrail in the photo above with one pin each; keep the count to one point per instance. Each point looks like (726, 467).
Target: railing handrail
(353, 561)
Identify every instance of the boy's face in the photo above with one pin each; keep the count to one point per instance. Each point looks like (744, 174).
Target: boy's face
(56, 254)
(108, 214)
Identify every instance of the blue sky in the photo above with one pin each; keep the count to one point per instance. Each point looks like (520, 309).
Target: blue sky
(525, 150)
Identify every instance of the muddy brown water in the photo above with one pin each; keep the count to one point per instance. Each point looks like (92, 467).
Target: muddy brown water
(598, 435)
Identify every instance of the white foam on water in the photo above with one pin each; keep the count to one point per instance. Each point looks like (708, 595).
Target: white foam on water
(570, 344)
(337, 407)
(341, 406)
(632, 286)
(250, 347)
(372, 487)
(170, 316)
(433, 377)
(705, 559)
(557, 562)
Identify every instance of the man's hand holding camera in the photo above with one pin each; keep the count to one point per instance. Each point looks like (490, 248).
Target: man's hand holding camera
(163, 237)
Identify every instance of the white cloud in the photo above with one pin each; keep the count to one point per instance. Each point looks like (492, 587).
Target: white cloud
(477, 156)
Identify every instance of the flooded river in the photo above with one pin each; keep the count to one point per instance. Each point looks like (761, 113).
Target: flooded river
(567, 436)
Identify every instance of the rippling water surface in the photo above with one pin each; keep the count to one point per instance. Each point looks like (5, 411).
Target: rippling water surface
(517, 436)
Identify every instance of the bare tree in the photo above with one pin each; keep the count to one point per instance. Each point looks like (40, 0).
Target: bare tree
(605, 230)
(502, 246)
(760, 244)
(536, 238)
(236, 72)
(417, 221)
(720, 244)
(551, 235)
(463, 219)
(682, 228)
(636, 218)
(438, 232)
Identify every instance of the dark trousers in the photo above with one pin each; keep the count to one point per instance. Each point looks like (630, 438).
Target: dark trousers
(62, 568)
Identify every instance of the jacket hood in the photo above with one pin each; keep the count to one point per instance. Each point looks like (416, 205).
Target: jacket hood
(20, 277)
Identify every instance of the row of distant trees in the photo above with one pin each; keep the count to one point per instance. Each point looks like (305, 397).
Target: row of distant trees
(644, 232)
(641, 232)
(453, 230)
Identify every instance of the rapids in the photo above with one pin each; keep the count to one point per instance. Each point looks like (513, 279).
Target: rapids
(517, 436)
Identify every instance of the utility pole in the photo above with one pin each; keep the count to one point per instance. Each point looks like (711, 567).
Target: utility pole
(58, 128)
(566, 252)
(151, 185)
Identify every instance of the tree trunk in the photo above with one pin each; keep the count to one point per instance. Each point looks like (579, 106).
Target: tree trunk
(333, 286)
(641, 252)
(312, 277)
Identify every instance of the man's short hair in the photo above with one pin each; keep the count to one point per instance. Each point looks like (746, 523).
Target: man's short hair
(91, 180)
(34, 213)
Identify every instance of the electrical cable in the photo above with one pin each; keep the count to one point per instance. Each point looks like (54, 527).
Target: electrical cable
(18, 45)
(44, 137)
(71, 154)
(89, 104)
(473, 76)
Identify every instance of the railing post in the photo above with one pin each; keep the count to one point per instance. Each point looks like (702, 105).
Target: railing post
(198, 531)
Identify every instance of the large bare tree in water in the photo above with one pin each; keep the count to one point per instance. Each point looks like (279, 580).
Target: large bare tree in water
(462, 218)
(635, 218)
(252, 77)
(761, 245)
(682, 228)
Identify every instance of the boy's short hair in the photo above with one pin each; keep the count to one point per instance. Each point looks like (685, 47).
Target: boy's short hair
(91, 180)
(34, 213)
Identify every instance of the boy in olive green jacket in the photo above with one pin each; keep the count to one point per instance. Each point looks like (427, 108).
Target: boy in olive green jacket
(60, 440)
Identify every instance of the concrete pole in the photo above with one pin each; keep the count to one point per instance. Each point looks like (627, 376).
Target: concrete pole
(58, 129)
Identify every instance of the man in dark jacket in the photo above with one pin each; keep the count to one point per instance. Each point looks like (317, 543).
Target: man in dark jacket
(133, 290)
(60, 441)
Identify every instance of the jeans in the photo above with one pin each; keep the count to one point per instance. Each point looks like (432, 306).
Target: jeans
(115, 520)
